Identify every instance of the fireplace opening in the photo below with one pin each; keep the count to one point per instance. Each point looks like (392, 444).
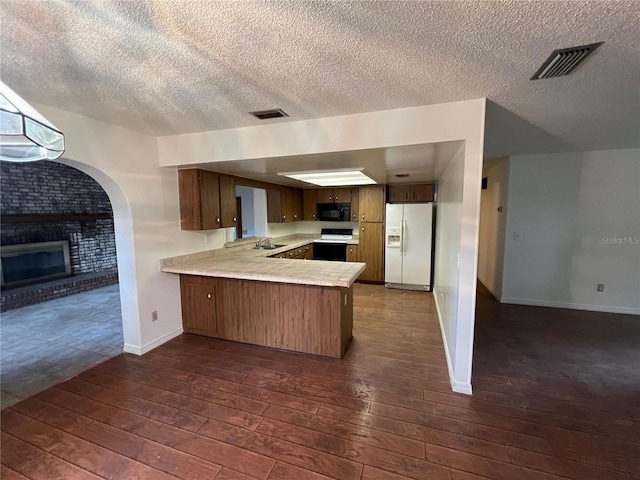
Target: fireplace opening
(30, 263)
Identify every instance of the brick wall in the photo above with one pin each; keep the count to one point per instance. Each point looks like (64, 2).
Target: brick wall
(48, 188)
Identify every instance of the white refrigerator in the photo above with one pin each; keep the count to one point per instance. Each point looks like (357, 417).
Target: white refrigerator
(408, 242)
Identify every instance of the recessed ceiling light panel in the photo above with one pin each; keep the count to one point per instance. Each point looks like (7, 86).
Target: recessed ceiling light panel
(332, 178)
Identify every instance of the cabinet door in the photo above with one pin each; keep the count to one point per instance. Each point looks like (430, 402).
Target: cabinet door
(352, 253)
(399, 193)
(308, 251)
(297, 204)
(372, 203)
(309, 202)
(355, 204)
(274, 206)
(342, 195)
(210, 199)
(189, 193)
(422, 193)
(198, 305)
(228, 213)
(286, 195)
(371, 251)
(325, 195)
(290, 253)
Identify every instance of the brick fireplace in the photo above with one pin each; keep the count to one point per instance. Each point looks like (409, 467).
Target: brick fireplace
(43, 206)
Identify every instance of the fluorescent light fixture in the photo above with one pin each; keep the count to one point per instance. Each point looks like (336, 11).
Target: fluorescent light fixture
(332, 178)
(25, 135)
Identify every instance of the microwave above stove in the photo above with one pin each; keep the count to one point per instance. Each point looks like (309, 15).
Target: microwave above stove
(334, 212)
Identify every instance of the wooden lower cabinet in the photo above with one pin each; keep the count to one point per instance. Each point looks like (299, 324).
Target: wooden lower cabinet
(308, 251)
(199, 305)
(352, 253)
(371, 251)
(302, 318)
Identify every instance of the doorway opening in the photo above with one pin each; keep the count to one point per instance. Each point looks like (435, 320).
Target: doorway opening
(60, 293)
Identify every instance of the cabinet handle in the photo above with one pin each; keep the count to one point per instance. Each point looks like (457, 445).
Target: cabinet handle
(330, 198)
(284, 217)
(295, 216)
(336, 198)
(217, 219)
(235, 219)
(363, 216)
(313, 215)
(208, 295)
(363, 229)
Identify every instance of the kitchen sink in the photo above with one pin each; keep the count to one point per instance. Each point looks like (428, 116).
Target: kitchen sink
(271, 246)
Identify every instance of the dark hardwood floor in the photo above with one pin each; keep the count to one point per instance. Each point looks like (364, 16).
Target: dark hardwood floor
(556, 395)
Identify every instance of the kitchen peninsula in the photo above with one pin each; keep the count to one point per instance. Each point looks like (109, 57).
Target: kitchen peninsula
(241, 294)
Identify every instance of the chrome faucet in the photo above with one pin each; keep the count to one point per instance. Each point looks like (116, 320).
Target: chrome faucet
(263, 242)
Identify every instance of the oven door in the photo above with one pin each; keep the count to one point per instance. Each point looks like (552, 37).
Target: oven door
(331, 251)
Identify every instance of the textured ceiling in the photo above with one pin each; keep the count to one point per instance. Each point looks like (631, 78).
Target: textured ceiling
(168, 66)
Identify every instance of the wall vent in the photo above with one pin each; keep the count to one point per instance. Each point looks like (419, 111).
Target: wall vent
(402, 175)
(564, 61)
(266, 114)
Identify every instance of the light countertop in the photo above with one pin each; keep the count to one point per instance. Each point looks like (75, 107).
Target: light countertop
(241, 261)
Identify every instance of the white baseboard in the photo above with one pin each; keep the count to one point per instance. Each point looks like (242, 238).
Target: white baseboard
(571, 306)
(147, 347)
(458, 387)
(461, 387)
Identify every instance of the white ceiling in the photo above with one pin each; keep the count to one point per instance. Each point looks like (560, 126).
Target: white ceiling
(175, 66)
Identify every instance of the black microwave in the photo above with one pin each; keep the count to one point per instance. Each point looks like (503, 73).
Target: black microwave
(334, 212)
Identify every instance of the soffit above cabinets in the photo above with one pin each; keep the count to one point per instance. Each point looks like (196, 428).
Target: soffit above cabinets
(382, 164)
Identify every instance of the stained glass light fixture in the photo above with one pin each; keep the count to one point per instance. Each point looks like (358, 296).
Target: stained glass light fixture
(25, 135)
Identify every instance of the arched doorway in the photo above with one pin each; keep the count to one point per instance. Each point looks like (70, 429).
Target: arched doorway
(61, 297)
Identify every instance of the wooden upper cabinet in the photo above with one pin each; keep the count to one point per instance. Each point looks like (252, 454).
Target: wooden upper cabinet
(334, 195)
(372, 203)
(199, 194)
(274, 206)
(228, 205)
(422, 193)
(286, 204)
(342, 195)
(280, 205)
(411, 193)
(309, 202)
(355, 204)
(398, 193)
(297, 209)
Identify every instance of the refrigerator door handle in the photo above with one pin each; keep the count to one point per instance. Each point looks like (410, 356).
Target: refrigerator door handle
(404, 224)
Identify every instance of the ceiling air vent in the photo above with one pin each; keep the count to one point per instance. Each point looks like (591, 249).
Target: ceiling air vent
(564, 61)
(402, 175)
(273, 113)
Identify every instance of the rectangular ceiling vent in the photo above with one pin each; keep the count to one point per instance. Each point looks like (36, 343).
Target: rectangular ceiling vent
(266, 114)
(564, 61)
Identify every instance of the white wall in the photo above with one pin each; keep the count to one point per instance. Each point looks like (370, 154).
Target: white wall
(458, 121)
(493, 223)
(146, 216)
(578, 216)
(248, 225)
